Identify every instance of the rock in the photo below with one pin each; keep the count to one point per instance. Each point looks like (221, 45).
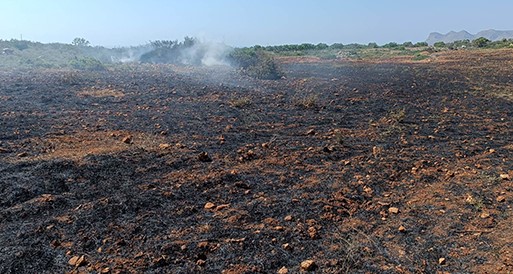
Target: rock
(73, 260)
(484, 215)
(21, 155)
(505, 176)
(377, 150)
(500, 199)
(279, 228)
(223, 206)
(312, 232)
(203, 244)
(164, 146)
(209, 205)
(204, 157)
(160, 261)
(288, 218)
(328, 149)
(105, 270)
(368, 190)
(77, 261)
(127, 139)
(311, 132)
(308, 265)
(402, 229)
(442, 261)
(283, 270)
(393, 210)
(286, 246)
(201, 262)
(3, 150)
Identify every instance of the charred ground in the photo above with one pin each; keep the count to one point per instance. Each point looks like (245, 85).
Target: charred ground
(383, 167)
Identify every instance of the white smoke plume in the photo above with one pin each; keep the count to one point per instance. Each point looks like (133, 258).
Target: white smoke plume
(207, 52)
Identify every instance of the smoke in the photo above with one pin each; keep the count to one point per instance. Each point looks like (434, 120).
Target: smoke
(130, 55)
(191, 51)
(206, 53)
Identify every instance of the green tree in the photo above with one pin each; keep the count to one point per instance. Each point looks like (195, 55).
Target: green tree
(19, 44)
(481, 42)
(440, 44)
(321, 46)
(80, 42)
(391, 45)
(421, 44)
(337, 46)
(372, 45)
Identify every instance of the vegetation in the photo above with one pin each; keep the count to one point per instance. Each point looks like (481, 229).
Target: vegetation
(481, 42)
(256, 62)
(80, 42)
(20, 44)
(87, 63)
(190, 51)
(440, 45)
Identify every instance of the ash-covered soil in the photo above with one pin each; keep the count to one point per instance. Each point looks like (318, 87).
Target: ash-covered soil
(342, 167)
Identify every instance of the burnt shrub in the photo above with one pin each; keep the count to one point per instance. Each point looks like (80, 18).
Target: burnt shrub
(256, 63)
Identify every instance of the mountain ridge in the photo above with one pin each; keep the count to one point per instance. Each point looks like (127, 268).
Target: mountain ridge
(451, 36)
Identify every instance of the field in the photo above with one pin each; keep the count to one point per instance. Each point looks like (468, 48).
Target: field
(377, 166)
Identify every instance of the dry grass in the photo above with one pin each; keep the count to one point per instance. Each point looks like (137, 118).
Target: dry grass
(107, 92)
(240, 102)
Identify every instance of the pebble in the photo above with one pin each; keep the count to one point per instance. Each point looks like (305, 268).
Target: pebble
(393, 210)
(127, 140)
(77, 261)
(209, 205)
(308, 265)
(283, 270)
(442, 261)
(484, 215)
(164, 146)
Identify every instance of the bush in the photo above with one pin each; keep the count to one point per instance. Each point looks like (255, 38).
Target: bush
(372, 45)
(20, 44)
(87, 63)
(36, 62)
(439, 45)
(256, 63)
(420, 44)
(420, 57)
(481, 42)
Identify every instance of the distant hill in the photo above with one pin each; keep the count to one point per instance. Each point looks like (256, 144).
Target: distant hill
(452, 36)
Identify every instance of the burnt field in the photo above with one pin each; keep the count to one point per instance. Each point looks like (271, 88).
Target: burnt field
(342, 167)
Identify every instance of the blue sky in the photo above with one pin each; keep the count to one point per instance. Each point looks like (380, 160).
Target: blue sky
(244, 22)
